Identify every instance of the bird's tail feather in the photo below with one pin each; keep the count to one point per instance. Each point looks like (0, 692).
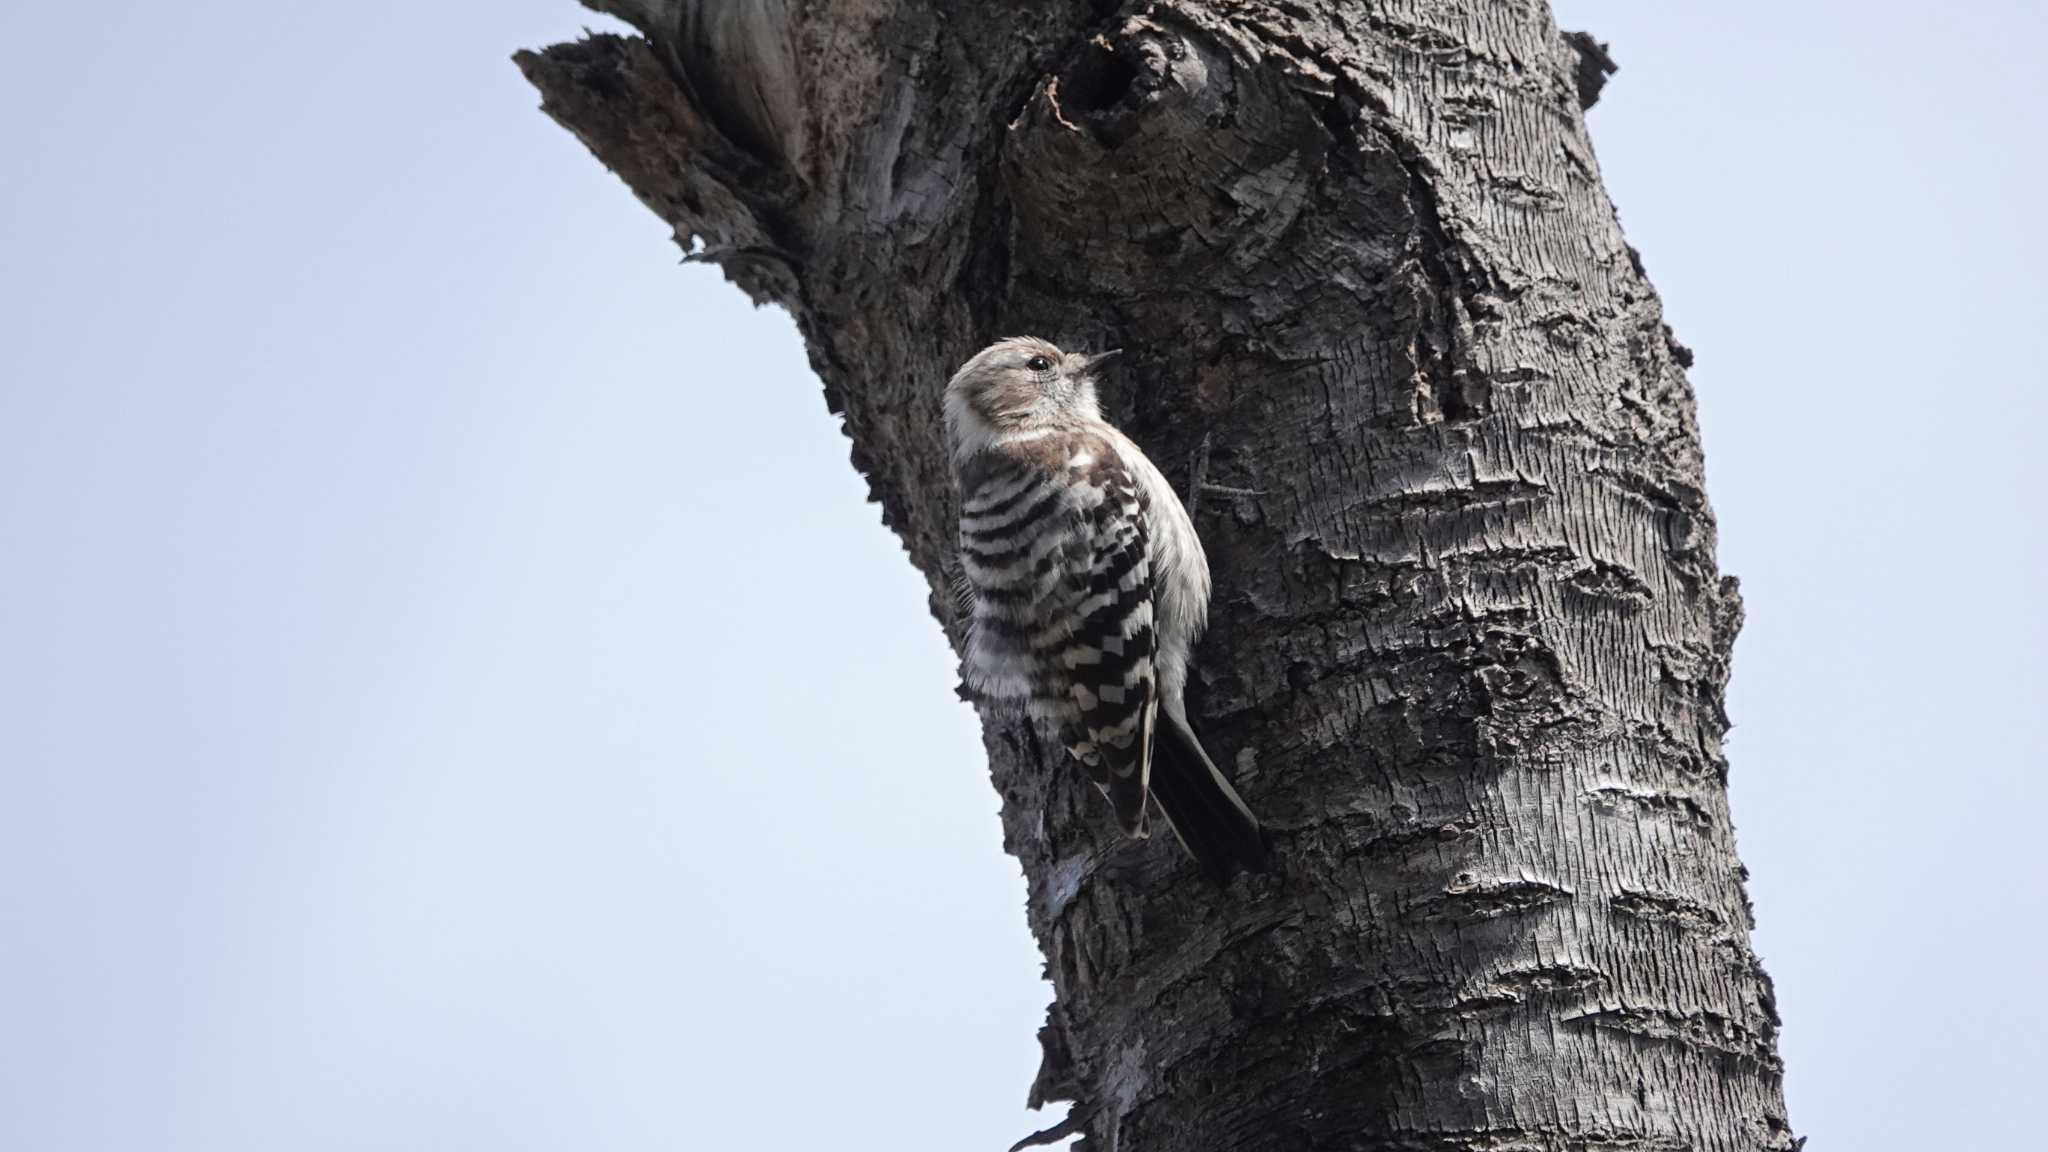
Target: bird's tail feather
(1205, 812)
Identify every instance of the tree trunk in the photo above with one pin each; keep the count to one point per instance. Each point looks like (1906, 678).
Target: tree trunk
(1469, 640)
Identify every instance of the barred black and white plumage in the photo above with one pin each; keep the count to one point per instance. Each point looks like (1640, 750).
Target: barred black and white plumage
(1085, 590)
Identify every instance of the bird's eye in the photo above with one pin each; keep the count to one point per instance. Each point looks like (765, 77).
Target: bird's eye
(1038, 364)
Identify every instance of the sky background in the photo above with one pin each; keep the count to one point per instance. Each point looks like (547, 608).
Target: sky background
(423, 725)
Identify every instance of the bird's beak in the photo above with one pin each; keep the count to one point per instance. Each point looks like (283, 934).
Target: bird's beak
(1100, 358)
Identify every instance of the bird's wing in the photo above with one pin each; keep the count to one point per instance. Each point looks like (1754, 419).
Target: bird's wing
(1105, 660)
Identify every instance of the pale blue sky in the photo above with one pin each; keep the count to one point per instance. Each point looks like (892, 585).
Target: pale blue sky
(431, 719)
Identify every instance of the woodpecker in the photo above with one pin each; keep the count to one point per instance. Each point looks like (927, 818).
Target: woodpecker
(1085, 588)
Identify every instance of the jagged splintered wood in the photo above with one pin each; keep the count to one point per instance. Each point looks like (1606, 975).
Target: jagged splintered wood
(1470, 642)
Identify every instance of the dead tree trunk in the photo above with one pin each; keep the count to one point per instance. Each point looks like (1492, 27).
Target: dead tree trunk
(1470, 642)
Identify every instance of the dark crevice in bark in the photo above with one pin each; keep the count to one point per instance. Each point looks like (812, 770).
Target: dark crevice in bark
(1098, 81)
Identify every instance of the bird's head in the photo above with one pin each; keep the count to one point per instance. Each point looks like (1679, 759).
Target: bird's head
(1019, 384)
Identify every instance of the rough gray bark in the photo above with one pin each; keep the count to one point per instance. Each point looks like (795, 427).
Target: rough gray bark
(1470, 642)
